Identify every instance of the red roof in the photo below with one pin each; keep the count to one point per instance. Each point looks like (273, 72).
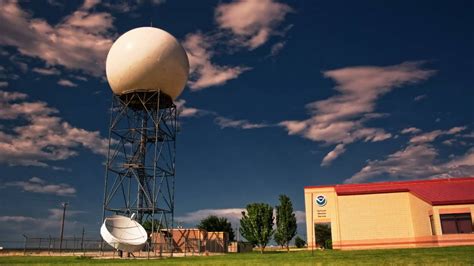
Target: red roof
(436, 192)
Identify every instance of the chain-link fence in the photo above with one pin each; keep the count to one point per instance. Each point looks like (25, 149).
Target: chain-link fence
(66, 245)
(97, 247)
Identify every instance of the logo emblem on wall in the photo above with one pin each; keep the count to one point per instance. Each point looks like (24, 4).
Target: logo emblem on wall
(321, 200)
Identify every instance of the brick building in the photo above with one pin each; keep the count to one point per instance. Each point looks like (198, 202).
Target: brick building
(422, 213)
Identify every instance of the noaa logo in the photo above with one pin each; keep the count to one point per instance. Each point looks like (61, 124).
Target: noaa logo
(321, 200)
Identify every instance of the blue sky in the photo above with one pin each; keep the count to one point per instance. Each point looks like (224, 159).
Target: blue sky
(281, 95)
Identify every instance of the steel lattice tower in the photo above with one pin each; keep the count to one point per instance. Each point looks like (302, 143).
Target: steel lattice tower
(140, 168)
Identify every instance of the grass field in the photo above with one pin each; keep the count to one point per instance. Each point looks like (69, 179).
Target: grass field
(425, 256)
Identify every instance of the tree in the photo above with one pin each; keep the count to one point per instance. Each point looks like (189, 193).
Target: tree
(286, 222)
(299, 242)
(217, 224)
(147, 225)
(256, 224)
(323, 235)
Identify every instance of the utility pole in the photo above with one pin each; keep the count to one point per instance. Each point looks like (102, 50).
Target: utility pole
(313, 233)
(64, 204)
(82, 240)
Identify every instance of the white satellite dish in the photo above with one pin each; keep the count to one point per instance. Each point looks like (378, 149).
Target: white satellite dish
(147, 59)
(123, 233)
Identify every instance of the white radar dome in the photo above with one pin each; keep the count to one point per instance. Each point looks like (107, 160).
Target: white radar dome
(147, 59)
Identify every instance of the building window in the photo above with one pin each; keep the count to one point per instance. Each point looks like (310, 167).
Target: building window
(433, 232)
(459, 223)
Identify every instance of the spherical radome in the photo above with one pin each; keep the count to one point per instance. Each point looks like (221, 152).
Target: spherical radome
(147, 59)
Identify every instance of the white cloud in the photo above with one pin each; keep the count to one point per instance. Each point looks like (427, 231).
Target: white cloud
(47, 71)
(461, 165)
(449, 142)
(18, 62)
(224, 122)
(188, 112)
(332, 155)
(40, 226)
(55, 3)
(412, 162)
(38, 185)
(416, 161)
(252, 22)
(79, 41)
(204, 73)
(341, 118)
(11, 96)
(185, 111)
(233, 215)
(7, 73)
(66, 83)
(468, 135)
(248, 23)
(300, 217)
(426, 137)
(56, 214)
(17, 219)
(431, 136)
(221, 121)
(277, 47)
(42, 136)
(410, 130)
(419, 159)
(456, 130)
(79, 77)
(420, 97)
(128, 6)
(52, 220)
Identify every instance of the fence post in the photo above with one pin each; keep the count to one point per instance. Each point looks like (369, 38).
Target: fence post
(199, 246)
(148, 246)
(24, 248)
(171, 243)
(82, 241)
(49, 244)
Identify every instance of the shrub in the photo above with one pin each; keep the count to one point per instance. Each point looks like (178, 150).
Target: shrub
(299, 242)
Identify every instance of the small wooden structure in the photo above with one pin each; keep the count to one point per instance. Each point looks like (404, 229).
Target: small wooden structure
(239, 247)
(217, 242)
(190, 240)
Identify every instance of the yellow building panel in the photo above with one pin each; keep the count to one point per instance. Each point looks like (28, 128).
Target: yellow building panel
(375, 216)
(420, 213)
(320, 214)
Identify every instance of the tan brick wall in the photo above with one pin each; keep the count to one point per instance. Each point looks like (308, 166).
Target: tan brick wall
(420, 213)
(375, 216)
(326, 214)
(385, 220)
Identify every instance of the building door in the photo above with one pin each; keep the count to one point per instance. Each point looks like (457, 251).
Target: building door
(456, 223)
(323, 236)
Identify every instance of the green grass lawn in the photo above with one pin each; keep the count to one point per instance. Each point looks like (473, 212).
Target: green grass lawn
(426, 256)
